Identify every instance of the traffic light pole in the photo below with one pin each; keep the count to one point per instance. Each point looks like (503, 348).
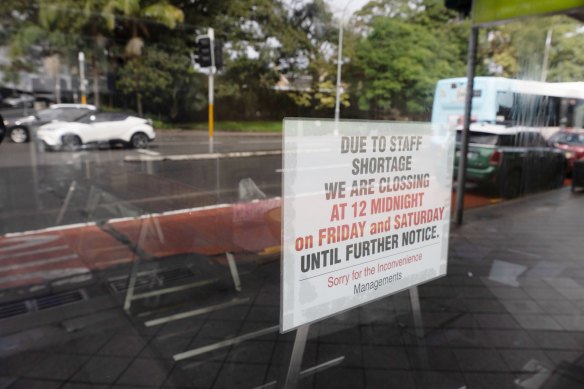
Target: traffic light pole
(211, 113)
(82, 77)
(211, 34)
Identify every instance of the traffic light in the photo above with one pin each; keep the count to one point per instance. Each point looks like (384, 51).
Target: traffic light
(462, 6)
(218, 45)
(204, 51)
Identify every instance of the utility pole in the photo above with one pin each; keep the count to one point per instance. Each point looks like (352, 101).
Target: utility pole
(82, 77)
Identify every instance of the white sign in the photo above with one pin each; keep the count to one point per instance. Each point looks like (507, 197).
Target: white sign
(366, 213)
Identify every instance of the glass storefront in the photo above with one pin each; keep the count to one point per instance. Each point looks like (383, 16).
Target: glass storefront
(141, 228)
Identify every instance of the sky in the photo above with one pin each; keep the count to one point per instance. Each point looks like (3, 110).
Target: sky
(337, 6)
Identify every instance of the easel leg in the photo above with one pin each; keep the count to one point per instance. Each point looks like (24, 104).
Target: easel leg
(233, 270)
(134, 270)
(297, 355)
(416, 312)
(418, 325)
(68, 197)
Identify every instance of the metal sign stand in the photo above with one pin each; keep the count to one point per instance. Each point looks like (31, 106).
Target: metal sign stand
(416, 312)
(293, 374)
(418, 325)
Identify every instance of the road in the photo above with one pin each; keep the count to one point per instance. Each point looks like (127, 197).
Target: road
(35, 184)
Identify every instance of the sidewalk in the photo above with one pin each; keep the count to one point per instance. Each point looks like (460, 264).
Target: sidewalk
(509, 314)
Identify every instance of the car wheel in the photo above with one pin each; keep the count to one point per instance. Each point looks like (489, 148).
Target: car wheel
(510, 185)
(19, 135)
(139, 141)
(71, 142)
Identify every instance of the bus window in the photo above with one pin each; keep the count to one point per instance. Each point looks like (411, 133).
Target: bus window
(579, 115)
(535, 111)
(504, 104)
(572, 113)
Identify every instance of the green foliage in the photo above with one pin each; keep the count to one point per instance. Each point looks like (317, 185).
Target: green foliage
(517, 49)
(394, 51)
(163, 80)
(145, 76)
(399, 63)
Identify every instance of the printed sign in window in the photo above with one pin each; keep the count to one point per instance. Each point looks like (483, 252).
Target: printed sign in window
(366, 213)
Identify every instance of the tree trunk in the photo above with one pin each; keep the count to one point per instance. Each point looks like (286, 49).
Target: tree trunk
(174, 105)
(139, 104)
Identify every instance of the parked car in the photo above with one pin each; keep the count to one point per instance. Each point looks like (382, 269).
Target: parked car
(98, 128)
(571, 141)
(512, 159)
(20, 129)
(19, 101)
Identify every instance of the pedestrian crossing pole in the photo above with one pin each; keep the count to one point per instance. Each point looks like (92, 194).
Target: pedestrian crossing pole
(211, 34)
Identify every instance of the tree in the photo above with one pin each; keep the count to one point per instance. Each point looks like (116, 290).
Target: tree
(517, 49)
(161, 79)
(399, 64)
(269, 39)
(134, 15)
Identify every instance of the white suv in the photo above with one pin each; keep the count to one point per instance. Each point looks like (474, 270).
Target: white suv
(98, 127)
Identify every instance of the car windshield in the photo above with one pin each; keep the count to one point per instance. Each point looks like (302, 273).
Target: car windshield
(484, 138)
(567, 138)
(67, 114)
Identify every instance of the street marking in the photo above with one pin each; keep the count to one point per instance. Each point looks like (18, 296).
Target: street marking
(198, 157)
(38, 263)
(250, 142)
(148, 152)
(39, 251)
(26, 242)
(45, 274)
(49, 229)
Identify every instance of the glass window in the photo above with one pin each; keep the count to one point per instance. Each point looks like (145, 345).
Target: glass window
(66, 114)
(143, 241)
